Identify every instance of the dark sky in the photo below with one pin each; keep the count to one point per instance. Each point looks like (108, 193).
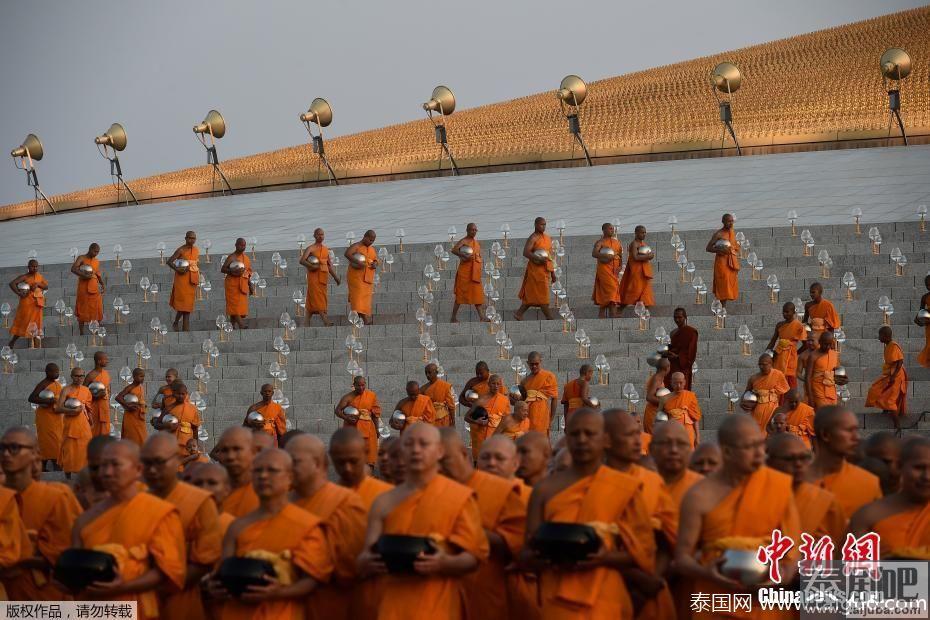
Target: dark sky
(72, 68)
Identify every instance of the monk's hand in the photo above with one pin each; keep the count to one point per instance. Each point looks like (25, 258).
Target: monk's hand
(370, 564)
(214, 588)
(259, 594)
(104, 589)
(714, 574)
(430, 563)
(646, 583)
(601, 557)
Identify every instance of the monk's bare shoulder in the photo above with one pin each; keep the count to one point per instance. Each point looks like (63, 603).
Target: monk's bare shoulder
(703, 496)
(92, 513)
(549, 486)
(864, 519)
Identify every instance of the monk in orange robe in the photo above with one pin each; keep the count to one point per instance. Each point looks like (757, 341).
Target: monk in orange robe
(636, 283)
(655, 383)
(479, 386)
(442, 395)
(274, 422)
(885, 446)
(343, 519)
(234, 452)
(608, 251)
(319, 270)
(88, 305)
(186, 280)
(468, 289)
(624, 455)
(213, 479)
(363, 261)
(577, 392)
(682, 350)
(76, 431)
(705, 458)
(799, 417)
(199, 521)
(15, 545)
(821, 515)
(31, 302)
(534, 450)
(291, 538)
(163, 398)
(495, 405)
(923, 358)
(836, 440)
(589, 492)
(542, 390)
(902, 519)
(819, 313)
(726, 249)
(369, 415)
(540, 271)
(889, 391)
(135, 428)
(682, 407)
(100, 405)
(425, 504)
(503, 517)
(784, 343)
(238, 269)
(49, 425)
(46, 510)
(516, 424)
(821, 381)
(737, 508)
(416, 406)
(188, 417)
(769, 385)
(141, 531)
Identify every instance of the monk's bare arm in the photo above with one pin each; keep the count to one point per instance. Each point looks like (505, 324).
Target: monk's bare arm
(350, 251)
(225, 268)
(174, 257)
(305, 256)
(528, 248)
(689, 531)
(456, 249)
(809, 375)
(771, 344)
(864, 519)
(34, 397)
(76, 271)
(710, 244)
(468, 386)
(923, 304)
(342, 404)
(16, 281)
(597, 248)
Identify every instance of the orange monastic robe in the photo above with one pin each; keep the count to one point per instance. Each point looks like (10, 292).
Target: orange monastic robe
(905, 532)
(369, 490)
(497, 407)
(682, 587)
(275, 421)
(800, 422)
(241, 501)
(366, 593)
(367, 425)
(420, 409)
(683, 407)
(923, 358)
(448, 512)
(523, 588)
(769, 388)
(440, 392)
(48, 512)
(821, 515)
(361, 282)
(663, 514)
(822, 382)
(468, 289)
(852, 486)
(890, 397)
(30, 307)
(88, 306)
(786, 347)
(297, 538)
(188, 417)
(76, 432)
(318, 282)
(237, 288)
(726, 270)
(607, 276)
(140, 532)
(517, 431)
(100, 407)
(185, 284)
(822, 316)
(50, 427)
(571, 396)
(200, 522)
(477, 432)
(15, 545)
(762, 503)
(678, 488)
(135, 428)
(636, 284)
(344, 519)
(535, 288)
(504, 513)
(539, 389)
(614, 499)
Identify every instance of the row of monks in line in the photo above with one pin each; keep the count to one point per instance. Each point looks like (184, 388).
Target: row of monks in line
(661, 526)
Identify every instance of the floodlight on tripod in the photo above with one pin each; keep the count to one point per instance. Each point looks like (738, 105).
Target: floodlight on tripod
(895, 64)
(214, 126)
(725, 79)
(442, 102)
(572, 92)
(24, 158)
(113, 140)
(321, 115)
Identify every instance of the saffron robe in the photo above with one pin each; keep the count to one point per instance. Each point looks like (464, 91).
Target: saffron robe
(88, 305)
(769, 389)
(822, 317)
(369, 489)
(516, 430)
(440, 392)
(539, 389)
(365, 594)
(135, 428)
(497, 407)
(76, 432)
(468, 289)
(188, 417)
(476, 432)
(923, 358)
(361, 282)
(571, 396)
(185, 284)
(241, 501)
(275, 421)
(607, 276)
(905, 532)
(419, 409)
(30, 307)
(534, 291)
(726, 269)
(821, 380)
(683, 407)
(318, 282)
(800, 422)
(684, 341)
(636, 283)
(99, 408)
(852, 486)
(15, 545)
(367, 425)
(678, 488)
(50, 426)
(890, 397)
(663, 513)
(821, 515)
(786, 347)
(650, 411)
(237, 288)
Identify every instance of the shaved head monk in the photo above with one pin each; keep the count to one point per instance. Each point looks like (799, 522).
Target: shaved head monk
(534, 451)
(577, 392)
(821, 515)
(821, 380)
(135, 427)
(442, 395)
(199, 519)
(542, 392)
(480, 385)
(889, 391)
(784, 343)
(886, 447)
(608, 251)
(769, 385)
(516, 424)
(585, 492)
(31, 303)
(347, 453)
(836, 441)
(365, 401)
(142, 531)
(820, 313)
(425, 504)
(726, 249)
(706, 458)
(540, 271)
(498, 456)
(100, 405)
(486, 413)
(363, 261)
(682, 348)
(184, 263)
(234, 452)
(503, 517)
(636, 283)
(670, 448)
(238, 268)
(319, 270)
(468, 288)
(49, 425)
(384, 461)
(744, 499)
(276, 529)
(88, 305)
(655, 383)
(274, 422)
(214, 479)
(48, 510)
(163, 398)
(97, 490)
(17, 546)
(398, 465)
(902, 519)
(683, 408)
(416, 406)
(799, 417)
(343, 517)
(76, 430)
